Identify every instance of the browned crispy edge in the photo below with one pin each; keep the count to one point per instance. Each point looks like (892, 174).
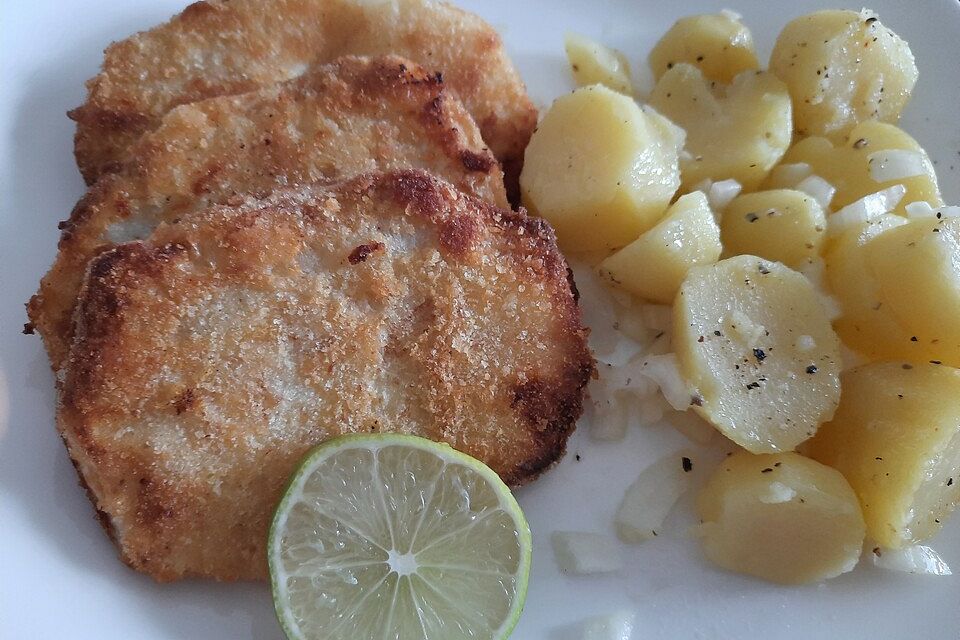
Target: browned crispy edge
(102, 132)
(551, 411)
(442, 113)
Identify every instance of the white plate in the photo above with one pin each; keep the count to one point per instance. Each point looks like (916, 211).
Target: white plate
(59, 575)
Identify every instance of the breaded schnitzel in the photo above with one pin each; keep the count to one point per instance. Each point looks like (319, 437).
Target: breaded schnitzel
(337, 121)
(223, 47)
(209, 358)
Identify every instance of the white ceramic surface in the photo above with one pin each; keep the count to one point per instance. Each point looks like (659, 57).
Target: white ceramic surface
(59, 575)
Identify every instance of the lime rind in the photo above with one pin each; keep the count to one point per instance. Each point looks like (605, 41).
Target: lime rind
(373, 443)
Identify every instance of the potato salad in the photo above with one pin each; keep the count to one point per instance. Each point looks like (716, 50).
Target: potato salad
(782, 277)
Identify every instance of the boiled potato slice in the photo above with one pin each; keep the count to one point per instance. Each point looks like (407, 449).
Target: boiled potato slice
(600, 169)
(864, 324)
(753, 338)
(593, 63)
(847, 165)
(719, 44)
(782, 225)
(842, 68)
(736, 131)
(917, 267)
(654, 265)
(896, 438)
(781, 517)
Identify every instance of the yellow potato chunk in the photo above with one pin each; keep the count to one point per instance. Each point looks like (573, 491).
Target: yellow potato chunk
(864, 324)
(842, 68)
(847, 165)
(736, 131)
(781, 225)
(600, 169)
(653, 266)
(917, 268)
(780, 517)
(593, 63)
(896, 438)
(718, 44)
(753, 339)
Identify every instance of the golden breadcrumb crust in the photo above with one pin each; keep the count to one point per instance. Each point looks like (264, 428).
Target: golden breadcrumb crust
(224, 47)
(211, 357)
(339, 120)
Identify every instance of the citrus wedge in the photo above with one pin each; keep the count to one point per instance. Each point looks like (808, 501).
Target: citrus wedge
(394, 537)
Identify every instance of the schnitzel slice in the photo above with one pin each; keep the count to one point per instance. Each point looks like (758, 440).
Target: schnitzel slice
(223, 47)
(339, 120)
(209, 358)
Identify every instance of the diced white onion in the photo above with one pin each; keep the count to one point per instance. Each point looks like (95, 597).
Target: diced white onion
(818, 189)
(921, 209)
(722, 193)
(648, 501)
(651, 409)
(610, 417)
(658, 317)
(896, 164)
(613, 626)
(866, 209)
(949, 211)
(719, 194)
(581, 553)
(788, 176)
(665, 372)
(623, 350)
(918, 559)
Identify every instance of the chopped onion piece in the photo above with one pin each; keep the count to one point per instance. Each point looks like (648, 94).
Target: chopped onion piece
(920, 209)
(949, 211)
(896, 164)
(722, 193)
(648, 501)
(719, 194)
(865, 209)
(792, 174)
(600, 310)
(582, 553)
(658, 317)
(665, 372)
(918, 559)
(818, 189)
(652, 409)
(614, 626)
(611, 417)
(622, 351)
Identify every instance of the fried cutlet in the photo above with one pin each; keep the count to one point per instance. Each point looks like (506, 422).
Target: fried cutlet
(209, 358)
(337, 121)
(223, 47)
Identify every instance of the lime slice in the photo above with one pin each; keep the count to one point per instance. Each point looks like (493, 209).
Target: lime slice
(395, 537)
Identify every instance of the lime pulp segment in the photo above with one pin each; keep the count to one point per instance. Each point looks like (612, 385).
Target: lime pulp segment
(395, 537)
